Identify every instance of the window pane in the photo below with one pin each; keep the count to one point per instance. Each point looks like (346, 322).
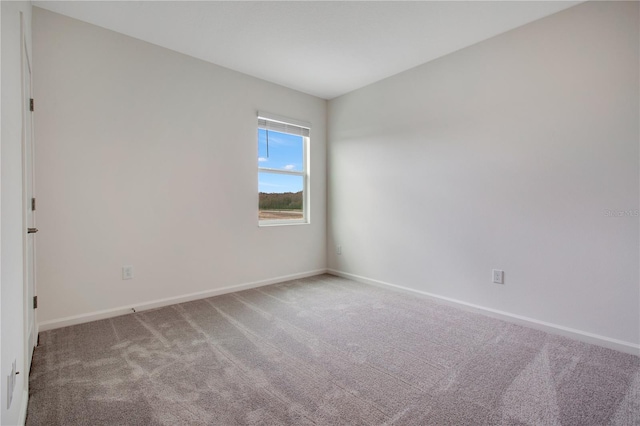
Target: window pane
(280, 151)
(280, 196)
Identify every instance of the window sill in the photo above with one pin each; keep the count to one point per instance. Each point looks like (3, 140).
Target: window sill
(270, 223)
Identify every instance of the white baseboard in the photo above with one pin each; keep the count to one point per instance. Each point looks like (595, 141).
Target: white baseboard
(582, 336)
(22, 419)
(109, 313)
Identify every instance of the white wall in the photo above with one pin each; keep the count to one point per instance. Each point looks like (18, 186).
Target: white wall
(11, 213)
(147, 157)
(503, 155)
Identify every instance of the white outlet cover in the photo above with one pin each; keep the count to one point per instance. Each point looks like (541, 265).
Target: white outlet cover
(9, 392)
(11, 384)
(127, 272)
(498, 276)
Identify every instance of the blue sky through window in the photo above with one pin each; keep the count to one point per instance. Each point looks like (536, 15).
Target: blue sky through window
(273, 182)
(285, 153)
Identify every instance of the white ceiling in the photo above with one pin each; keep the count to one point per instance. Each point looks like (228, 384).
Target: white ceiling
(319, 47)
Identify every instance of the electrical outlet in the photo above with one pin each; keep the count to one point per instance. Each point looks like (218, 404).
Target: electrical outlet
(127, 272)
(11, 383)
(339, 249)
(9, 391)
(498, 276)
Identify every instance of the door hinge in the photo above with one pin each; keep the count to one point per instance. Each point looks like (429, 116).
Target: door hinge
(31, 104)
(35, 302)
(33, 204)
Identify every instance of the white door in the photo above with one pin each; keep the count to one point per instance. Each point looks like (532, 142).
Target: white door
(29, 212)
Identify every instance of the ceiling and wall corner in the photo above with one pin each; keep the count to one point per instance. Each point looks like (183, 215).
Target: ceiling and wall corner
(325, 49)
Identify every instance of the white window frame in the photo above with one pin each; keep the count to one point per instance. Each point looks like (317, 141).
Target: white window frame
(306, 219)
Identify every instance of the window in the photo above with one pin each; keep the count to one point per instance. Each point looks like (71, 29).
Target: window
(283, 170)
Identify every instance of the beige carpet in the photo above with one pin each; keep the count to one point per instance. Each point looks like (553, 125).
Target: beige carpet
(327, 351)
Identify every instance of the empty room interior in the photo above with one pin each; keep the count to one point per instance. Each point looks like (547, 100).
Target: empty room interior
(320, 213)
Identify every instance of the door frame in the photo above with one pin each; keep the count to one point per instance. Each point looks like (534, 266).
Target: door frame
(28, 166)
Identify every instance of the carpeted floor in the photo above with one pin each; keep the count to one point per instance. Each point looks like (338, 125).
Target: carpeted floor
(329, 351)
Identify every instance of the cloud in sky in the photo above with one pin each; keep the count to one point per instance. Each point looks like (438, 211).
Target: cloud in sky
(262, 159)
(289, 167)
